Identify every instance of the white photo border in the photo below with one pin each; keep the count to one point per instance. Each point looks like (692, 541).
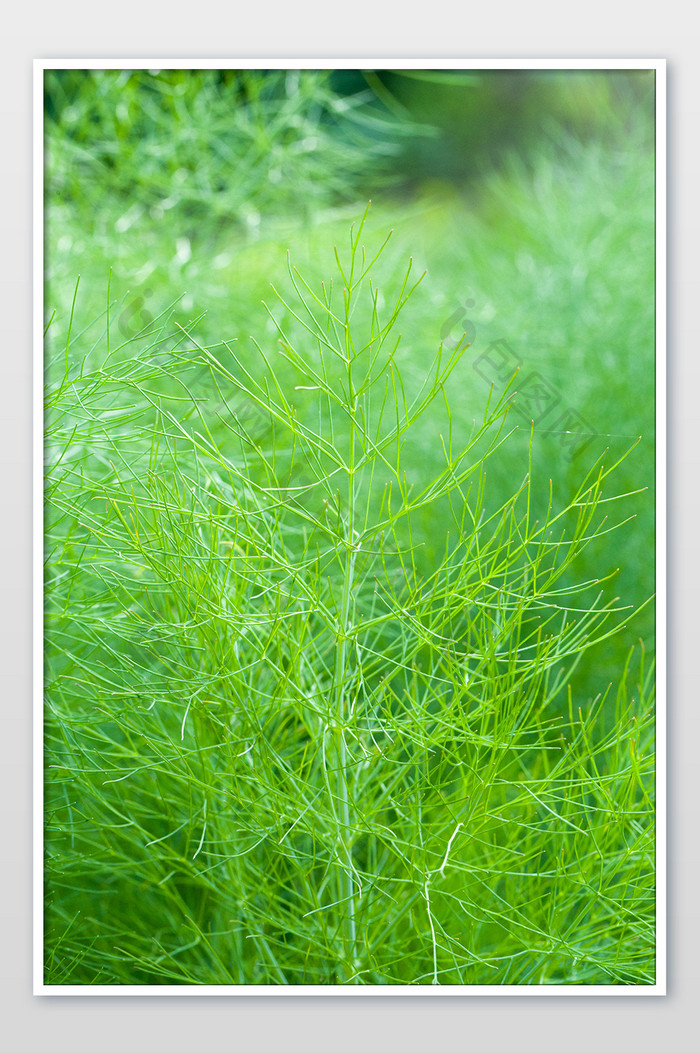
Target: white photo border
(41, 988)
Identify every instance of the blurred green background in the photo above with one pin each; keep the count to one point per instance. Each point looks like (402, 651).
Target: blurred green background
(527, 196)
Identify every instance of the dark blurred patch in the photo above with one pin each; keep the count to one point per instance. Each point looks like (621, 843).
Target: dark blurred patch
(480, 115)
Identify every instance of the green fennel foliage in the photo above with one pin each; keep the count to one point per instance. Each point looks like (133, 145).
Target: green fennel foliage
(282, 746)
(248, 142)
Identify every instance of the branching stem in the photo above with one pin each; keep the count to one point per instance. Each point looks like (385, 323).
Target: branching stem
(346, 877)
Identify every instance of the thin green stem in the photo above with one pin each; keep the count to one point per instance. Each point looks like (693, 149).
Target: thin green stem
(346, 874)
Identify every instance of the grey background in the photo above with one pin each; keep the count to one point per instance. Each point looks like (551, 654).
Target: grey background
(375, 1025)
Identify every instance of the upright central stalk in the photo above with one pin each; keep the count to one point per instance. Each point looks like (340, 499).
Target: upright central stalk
(346, 873)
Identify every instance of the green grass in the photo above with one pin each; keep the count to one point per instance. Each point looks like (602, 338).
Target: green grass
(343, 685)
(273, 733)
(246, 141)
